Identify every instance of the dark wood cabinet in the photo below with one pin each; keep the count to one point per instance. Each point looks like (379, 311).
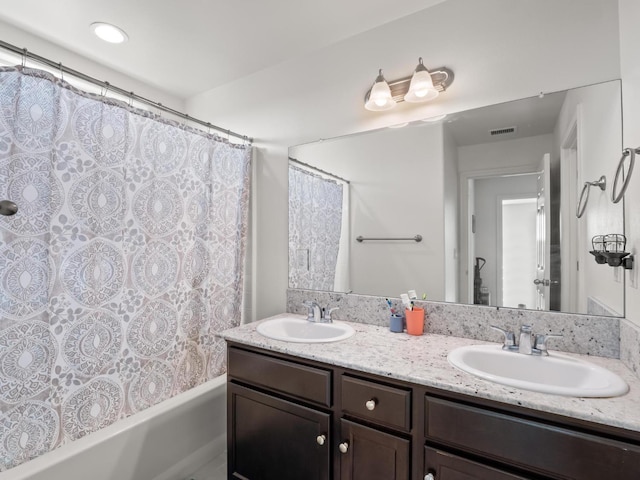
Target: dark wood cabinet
(446, 466)
(370, 454)
(295, 419)
(274, 439)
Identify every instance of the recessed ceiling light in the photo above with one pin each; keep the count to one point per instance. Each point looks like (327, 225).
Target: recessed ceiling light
(109, 33)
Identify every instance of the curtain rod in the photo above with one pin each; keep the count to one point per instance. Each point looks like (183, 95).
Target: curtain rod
(64, 69)
(311, 167)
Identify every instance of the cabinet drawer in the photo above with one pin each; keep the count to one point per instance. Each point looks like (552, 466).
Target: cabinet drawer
(391, 405)
(445, 466)
(547, 449)
(299, 381)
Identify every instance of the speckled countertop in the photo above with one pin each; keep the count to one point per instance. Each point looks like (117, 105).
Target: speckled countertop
(423, 360)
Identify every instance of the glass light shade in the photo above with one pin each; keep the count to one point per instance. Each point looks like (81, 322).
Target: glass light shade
(109, 33)
(421, 88)
(380, 96)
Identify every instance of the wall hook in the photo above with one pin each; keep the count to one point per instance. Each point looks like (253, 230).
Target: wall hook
(8, 208)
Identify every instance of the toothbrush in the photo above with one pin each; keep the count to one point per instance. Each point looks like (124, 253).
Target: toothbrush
(405, 301)
(393, 311)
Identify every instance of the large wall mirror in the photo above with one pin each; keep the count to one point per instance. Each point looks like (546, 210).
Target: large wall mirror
(478, 207)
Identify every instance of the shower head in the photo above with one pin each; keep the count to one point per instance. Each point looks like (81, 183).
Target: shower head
(8, 208)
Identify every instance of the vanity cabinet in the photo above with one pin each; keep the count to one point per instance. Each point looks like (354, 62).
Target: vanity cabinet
(273, 439)
(291, 418)
(372, 454)
(534, 446)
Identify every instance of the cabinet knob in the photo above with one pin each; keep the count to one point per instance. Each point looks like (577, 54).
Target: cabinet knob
(429, 476)
(371, 404)
(321, 439)
(344, 447)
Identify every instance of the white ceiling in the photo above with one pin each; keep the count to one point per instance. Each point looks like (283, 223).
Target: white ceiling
(191, 46)
(531, 116)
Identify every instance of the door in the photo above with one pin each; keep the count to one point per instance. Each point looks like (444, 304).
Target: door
(369, 454)
(272, 439)
(543, 242)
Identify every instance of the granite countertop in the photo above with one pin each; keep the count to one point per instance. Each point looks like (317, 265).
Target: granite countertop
(423, 360)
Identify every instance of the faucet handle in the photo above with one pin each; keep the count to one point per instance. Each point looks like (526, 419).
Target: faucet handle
(509, 337)
(327, 315)
(541, 342)
(310, 309)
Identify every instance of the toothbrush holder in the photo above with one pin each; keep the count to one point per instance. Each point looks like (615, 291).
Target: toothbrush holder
(415, 321)
(396, 323)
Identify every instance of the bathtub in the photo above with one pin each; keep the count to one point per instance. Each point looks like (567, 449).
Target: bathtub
(165, 442)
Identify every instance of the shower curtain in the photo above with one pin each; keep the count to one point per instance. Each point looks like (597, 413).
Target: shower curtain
(315, 225)
(124, 260)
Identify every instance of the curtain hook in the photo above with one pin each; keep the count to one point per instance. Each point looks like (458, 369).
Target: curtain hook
(106, 89)
(159, 109)
(24, 57)
(228, 135)
(186, 118)
(61, 71)
(209, 127)
(131, 94)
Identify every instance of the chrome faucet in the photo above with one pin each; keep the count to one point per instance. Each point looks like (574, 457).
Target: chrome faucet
(317, 314)
(529, 343)
(524, 346)
(314, 312)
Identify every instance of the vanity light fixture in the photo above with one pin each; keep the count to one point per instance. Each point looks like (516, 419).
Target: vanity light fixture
(109, 33)
(422, 86)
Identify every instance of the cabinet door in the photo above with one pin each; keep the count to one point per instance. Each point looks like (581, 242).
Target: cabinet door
(444, 466)
(272, 439)
(369, 454)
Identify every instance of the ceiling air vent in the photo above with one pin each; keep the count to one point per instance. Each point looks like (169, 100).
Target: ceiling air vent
(502, 131)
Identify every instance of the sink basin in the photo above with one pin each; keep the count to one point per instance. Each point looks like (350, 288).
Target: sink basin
(292, 329)
(556, 374)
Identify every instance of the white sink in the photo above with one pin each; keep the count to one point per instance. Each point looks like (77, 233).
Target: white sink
(293, 329)
(556, 374)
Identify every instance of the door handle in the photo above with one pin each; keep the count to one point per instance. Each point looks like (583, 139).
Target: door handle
(546, 282)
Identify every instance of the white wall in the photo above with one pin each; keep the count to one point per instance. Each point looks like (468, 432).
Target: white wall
(520, 155)
(93, 68)
(500, 50)
(598, 112)
(385, 169)
(451, 218)
(630, 66)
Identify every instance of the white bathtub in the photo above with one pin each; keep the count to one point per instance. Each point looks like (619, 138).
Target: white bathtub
(165, 442)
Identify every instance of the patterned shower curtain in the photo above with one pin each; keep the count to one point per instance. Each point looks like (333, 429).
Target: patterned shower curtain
(124, 260)
(315, 224)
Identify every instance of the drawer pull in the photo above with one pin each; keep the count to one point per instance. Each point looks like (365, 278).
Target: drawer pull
(371, 404)
(429, 476)
(344, 447)
(321, 439)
